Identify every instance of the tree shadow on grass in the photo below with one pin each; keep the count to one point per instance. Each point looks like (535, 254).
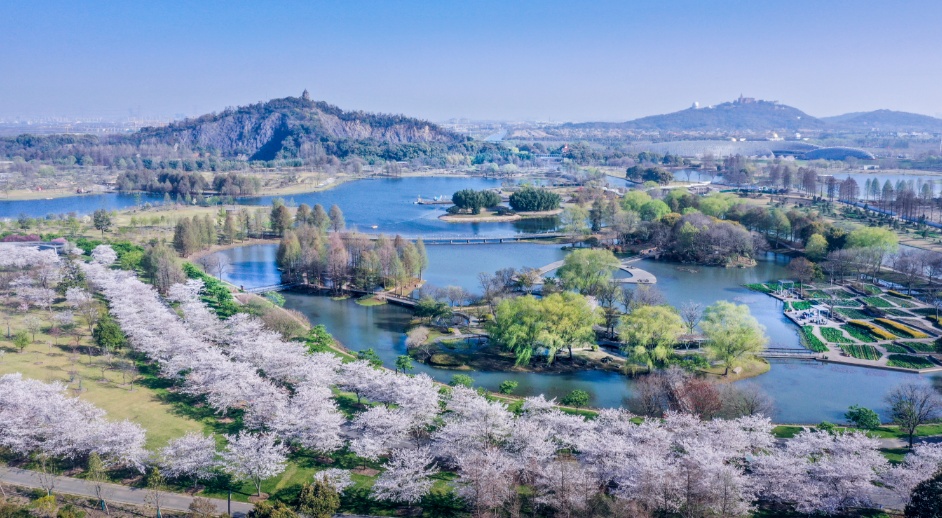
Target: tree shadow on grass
(185, 405)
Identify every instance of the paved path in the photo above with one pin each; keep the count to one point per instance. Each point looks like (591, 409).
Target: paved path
(113, 492)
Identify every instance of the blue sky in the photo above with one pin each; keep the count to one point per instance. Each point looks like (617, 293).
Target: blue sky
(479, 59)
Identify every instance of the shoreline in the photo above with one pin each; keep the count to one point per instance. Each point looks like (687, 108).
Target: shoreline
(470, 218)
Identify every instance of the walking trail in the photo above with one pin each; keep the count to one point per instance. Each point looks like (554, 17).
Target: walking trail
(113, 492)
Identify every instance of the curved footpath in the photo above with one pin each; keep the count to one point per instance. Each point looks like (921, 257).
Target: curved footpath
(638, 276)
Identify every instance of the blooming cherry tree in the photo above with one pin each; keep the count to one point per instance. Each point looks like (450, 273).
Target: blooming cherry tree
(253, 457)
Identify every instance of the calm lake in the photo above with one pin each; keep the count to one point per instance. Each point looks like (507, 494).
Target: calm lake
(384, 205)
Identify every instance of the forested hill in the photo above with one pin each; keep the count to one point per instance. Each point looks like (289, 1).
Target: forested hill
(296, 126)
(885, 120)
(756, 116)
(292, 129)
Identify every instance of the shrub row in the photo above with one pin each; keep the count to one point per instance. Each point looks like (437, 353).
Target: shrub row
(215, 293)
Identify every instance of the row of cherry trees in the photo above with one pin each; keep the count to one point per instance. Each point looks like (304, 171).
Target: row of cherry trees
(574, 465)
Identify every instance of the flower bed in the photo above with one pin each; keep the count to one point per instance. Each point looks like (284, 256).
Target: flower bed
(908, 362)
(842, 294)
(816, 294)
(811, 341)
(863, 352)
(921, 347)
(835, 335)
(862, 334)
(898, 294)
(899, 329)
(901, 302)
(852, 313)
(877, 302)
(849, 303)
(896, 348)
(798, 305)
(898, 313)
(880, 333)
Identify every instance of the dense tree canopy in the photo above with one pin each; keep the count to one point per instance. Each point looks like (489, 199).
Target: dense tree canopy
(529, 199)
(732, 333)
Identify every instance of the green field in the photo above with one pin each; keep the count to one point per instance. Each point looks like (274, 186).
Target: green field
(96, 381)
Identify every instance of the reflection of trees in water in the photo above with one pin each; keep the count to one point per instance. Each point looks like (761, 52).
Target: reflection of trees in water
(937, 383)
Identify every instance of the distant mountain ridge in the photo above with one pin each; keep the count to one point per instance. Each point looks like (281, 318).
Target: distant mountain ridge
(295, 126)
(746, 115)
(885, 120)
(742, 115)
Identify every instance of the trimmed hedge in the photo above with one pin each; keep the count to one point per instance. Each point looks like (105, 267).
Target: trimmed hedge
(215, 293)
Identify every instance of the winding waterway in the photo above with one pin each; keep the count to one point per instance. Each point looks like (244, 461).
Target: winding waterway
(804, 391)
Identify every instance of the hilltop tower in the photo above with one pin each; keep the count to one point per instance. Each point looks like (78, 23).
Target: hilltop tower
(306, 95)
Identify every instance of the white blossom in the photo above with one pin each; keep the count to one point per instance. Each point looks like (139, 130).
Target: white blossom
(407, 476)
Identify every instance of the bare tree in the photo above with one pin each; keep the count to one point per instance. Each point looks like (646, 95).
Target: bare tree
(691, 312)
(913, 404)
(215, 264)
(745, 399)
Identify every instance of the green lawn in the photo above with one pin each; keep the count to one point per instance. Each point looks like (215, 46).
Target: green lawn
(145, 406)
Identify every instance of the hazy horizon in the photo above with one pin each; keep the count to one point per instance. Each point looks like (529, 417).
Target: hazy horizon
(483, 60)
